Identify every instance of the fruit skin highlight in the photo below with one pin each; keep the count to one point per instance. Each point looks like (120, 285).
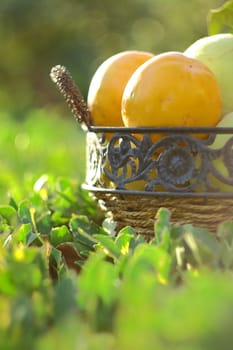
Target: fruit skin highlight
(216, 52)
(108, 83)
(171, 89)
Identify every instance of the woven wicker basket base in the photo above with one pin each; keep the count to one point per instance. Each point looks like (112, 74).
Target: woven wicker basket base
(139, 212)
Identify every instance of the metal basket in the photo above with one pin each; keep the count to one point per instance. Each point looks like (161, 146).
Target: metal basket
(133, 172)
(132, 175)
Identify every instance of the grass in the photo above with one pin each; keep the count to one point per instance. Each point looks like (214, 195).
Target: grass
(42, 143)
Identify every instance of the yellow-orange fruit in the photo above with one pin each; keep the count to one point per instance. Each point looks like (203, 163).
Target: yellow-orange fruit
(216, 51)
(171, 89)
(108, 83)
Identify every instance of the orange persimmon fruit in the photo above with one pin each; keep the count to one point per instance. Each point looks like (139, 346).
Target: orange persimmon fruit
(171, 90)
(108, 83)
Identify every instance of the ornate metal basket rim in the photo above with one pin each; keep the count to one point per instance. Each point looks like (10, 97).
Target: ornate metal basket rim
(111, 150)
(163, 129)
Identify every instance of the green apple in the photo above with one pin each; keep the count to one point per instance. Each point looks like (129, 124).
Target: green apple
(216, 52)
(219, 142)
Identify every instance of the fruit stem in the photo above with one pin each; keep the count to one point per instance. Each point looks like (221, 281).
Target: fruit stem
(67, 87)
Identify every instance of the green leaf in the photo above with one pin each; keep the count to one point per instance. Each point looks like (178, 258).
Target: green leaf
(65, 298)
(225, 234)
(98, 280)
(149, 258)
(22, 233)
(63, 184)
(221, 19)
(24, 212)
(34, 238)
(27, 236)
(58, 219)
(225, 231)
(6, 284)
(13, 203)
(44, 223)
(162, 223)
(25, 270)
(124, 238)
(203, 244)
(60, 235)
(108, 244)
(56, 256)
(8, 212)
(84, 229)
(56, 264)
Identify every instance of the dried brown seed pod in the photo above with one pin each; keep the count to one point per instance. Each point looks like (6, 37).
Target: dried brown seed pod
(70, 91)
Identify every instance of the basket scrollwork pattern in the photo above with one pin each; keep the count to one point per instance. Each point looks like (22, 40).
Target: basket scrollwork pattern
(178, 162)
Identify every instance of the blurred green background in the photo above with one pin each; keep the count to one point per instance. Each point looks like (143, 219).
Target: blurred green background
(37, 132)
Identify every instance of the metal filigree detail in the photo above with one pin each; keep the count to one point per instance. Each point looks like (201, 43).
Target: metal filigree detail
(176, 166)
(94, 159)
(174, 163)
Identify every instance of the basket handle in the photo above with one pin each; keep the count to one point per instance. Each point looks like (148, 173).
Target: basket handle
(70, 91)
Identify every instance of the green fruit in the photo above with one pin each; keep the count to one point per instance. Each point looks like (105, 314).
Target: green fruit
(216, 52)
(219, 142)
(221, 139)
